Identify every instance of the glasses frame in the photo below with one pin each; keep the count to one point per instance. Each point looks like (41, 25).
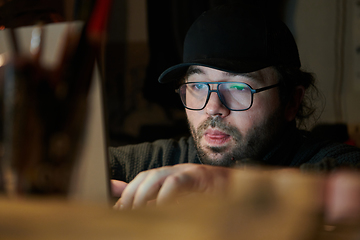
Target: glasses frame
(252, 90)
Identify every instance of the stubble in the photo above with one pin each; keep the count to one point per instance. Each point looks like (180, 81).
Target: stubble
(254, 145)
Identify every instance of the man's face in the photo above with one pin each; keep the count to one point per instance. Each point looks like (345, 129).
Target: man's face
(223, 136)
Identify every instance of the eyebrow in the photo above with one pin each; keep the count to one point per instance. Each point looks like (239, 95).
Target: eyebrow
(195, 70)
(248, 75)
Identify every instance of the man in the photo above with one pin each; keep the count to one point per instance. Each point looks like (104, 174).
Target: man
(243, 92)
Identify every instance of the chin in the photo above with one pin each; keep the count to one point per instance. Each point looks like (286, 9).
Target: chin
(215, 158)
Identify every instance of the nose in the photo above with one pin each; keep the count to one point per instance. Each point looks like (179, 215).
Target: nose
(214, 107)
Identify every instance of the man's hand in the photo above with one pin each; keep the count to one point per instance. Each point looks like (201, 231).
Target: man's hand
(166, 184)
(117, 187)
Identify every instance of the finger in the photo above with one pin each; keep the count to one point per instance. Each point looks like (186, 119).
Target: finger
(175, 186)
(149, 188)
(118, 205)
(194, 179)
(144, 188)
(117, 187)
(127, 197)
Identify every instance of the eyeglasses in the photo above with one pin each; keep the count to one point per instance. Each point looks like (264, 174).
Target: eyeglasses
(236, 96)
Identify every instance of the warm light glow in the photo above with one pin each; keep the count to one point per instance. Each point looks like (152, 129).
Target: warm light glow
(2, 27)
(3, 58)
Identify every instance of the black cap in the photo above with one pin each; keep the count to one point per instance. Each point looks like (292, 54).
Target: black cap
(236, 38)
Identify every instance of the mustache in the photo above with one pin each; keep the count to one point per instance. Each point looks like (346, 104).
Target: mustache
(212, 122)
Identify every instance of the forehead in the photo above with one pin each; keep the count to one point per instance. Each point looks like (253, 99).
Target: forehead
(209, 74)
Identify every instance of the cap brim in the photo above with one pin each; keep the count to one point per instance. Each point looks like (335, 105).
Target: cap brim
(175, 73)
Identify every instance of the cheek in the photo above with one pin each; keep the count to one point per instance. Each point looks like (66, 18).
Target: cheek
(265, 104)
(193, 117)
(257, 115)
(243, 121)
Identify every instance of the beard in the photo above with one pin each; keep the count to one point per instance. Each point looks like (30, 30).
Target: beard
(251, 146)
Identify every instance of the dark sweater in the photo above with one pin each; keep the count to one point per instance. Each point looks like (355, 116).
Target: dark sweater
(296, 149)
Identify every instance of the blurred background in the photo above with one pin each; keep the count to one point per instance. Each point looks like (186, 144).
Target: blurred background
(144, 37)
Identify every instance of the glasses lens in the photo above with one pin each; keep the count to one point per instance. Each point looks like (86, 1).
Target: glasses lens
(236, 96)
(193, 95)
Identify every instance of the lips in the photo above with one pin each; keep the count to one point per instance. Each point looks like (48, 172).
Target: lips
(216, 137)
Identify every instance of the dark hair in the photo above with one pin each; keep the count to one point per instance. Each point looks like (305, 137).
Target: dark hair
(289, 79)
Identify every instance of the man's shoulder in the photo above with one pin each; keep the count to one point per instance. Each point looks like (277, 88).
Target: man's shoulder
(327, 154)
(127, 161)
(300, 147)
(183, 142)
(160, 152)
(330, 147)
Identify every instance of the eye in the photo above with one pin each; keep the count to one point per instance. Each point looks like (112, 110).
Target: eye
(239, 87)
(197, 86)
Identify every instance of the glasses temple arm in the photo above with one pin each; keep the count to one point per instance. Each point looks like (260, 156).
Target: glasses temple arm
(266, 88)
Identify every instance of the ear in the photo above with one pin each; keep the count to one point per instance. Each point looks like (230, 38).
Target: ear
(292, 106)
